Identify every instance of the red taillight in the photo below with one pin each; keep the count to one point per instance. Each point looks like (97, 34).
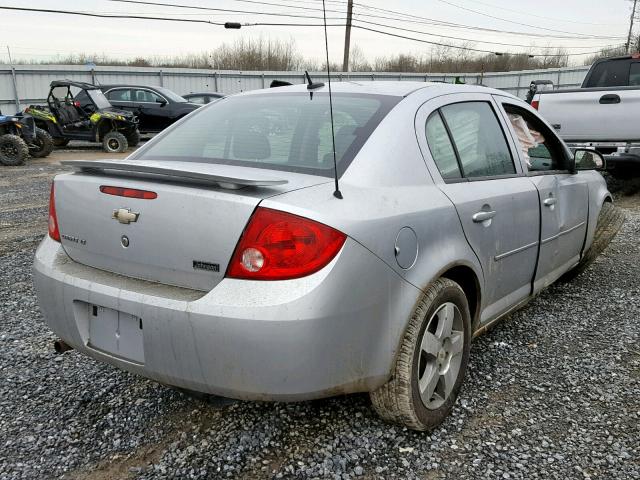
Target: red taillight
(53, 218)
(535, 104)
(278, 246)
(128, 192)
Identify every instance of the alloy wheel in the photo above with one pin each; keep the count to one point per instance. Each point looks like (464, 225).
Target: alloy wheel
(440, 356)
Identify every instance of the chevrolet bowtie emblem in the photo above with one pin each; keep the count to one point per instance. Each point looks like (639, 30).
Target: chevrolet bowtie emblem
(125, 215)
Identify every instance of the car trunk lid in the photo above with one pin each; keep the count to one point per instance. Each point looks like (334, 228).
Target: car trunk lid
(185, 236)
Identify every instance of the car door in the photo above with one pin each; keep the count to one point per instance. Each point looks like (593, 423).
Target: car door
(563, 196)
(155, 110)
(472, 162)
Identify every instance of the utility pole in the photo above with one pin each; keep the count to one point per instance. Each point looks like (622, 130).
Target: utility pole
(633, 16)
(347, 37)
(15, 80)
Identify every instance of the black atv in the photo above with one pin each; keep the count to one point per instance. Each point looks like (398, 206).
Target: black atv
(65, 118)
(19, 138)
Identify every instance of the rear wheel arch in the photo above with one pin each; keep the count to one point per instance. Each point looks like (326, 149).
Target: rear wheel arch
(466, 277)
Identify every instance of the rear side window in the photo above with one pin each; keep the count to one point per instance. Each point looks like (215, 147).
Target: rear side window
(120, 95)
(611, 73)
(147, 96)
(634, 74)
(279, 131)
(478, 140)
(441, 147)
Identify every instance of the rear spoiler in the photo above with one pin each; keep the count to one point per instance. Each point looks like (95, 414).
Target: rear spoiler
(224, 176)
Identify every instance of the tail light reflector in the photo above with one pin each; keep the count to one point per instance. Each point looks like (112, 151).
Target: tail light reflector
(53, 218)
(535, 104)
(278, 246)
(128, 192)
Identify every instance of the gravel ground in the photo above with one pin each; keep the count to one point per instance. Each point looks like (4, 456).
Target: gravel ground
(552, 393)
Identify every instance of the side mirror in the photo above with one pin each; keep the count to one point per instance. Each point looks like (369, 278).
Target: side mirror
(161, 102)
(586, 159)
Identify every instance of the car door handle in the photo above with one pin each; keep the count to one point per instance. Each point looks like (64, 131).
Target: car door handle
(549, 201)
(483, 216)
(610, 99)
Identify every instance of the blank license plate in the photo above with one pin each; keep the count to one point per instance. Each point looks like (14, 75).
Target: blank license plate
(116, 333)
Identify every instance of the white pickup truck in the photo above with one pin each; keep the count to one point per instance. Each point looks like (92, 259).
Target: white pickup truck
(604, 113)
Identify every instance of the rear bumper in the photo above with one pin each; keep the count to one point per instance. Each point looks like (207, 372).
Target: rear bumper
(333, 332)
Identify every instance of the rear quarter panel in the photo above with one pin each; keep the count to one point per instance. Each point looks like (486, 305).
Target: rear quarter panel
(388, 187)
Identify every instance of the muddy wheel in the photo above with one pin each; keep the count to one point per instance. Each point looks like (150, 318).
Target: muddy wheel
(115, 142)
(13, 150)
(133, 139)
(432, 360)
(42, 144)
(609, 223)
(60, 142)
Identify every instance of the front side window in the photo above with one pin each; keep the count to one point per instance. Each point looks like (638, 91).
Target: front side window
(539, 147)
(283, 131)
(441, 148)
(478, 139)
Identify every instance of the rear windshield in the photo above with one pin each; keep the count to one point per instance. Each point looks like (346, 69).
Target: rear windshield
(609, 73)
(278, 131)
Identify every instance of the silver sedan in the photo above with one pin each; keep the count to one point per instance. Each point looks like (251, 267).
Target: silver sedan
(217, 258)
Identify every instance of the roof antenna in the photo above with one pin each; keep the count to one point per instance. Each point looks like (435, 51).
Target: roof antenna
(310, 84)
(337, 192)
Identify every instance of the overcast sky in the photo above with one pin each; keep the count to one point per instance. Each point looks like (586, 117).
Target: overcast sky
(45, 35)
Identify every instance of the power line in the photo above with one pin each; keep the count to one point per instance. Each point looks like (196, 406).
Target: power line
(467, 48)
(529, 14)
(140, 17)
(100, 15)
(304, 16)
(228, 10)
(428, 21)
(479, 41)
(506, 19)
(431, 21)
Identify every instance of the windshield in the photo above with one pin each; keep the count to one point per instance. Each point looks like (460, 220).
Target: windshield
(173, 96)
(290, 132)
(99, 99)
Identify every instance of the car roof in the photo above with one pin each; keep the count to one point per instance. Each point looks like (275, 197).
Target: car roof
(398, 88)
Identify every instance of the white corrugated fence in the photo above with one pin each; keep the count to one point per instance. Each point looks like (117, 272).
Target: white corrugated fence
(22, 85)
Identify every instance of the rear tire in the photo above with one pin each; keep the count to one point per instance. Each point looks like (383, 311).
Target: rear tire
(609, 223)
(133, 139)
(114, 142)
(43, 144)
(13, 150)
(433, 358)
